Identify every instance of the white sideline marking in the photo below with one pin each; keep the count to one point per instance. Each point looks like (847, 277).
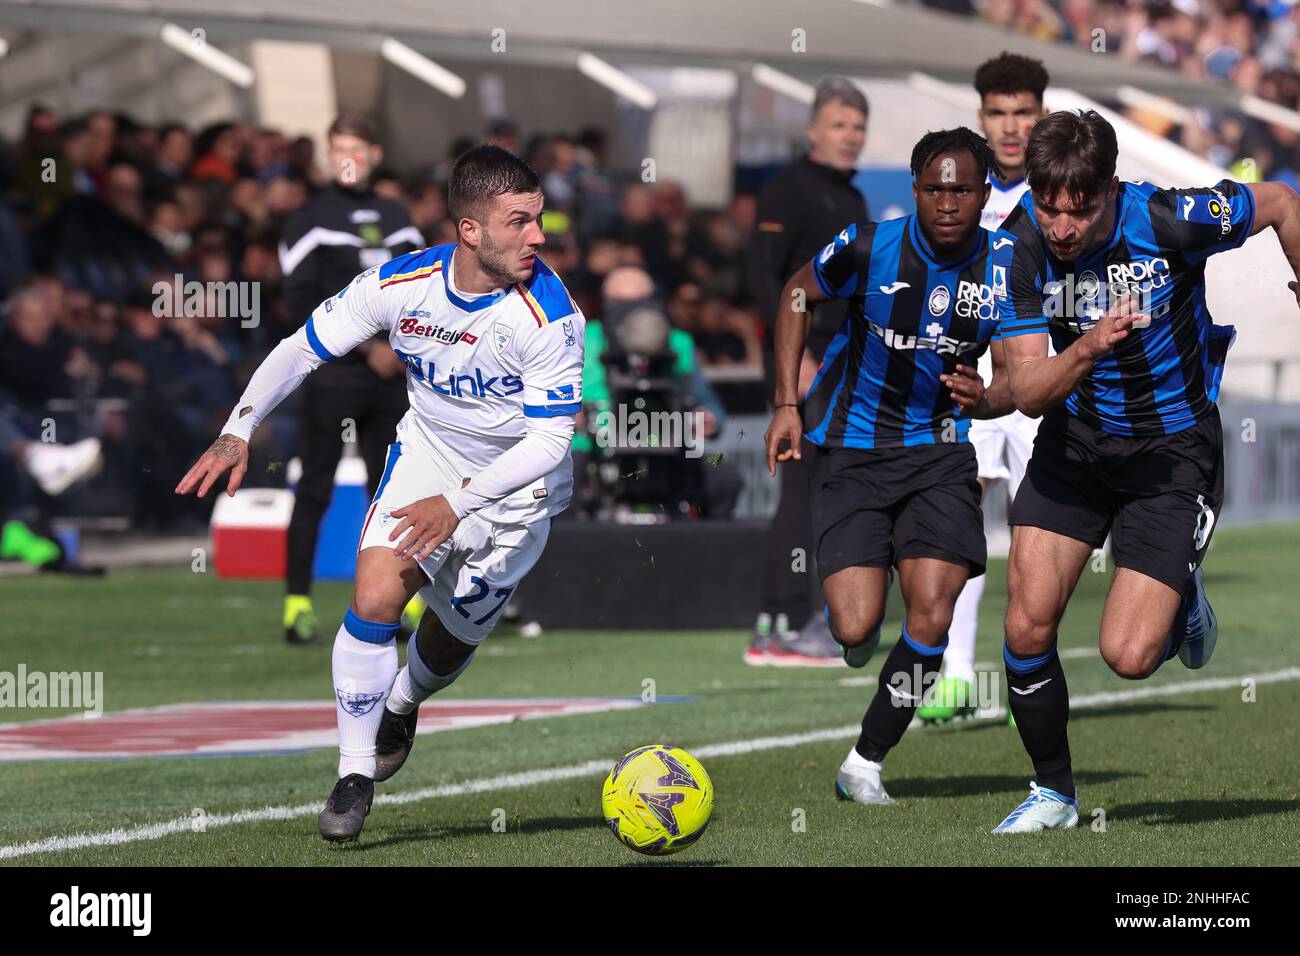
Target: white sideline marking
(528, 778)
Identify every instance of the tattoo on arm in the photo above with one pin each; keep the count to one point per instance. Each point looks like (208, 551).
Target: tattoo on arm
(226, 447)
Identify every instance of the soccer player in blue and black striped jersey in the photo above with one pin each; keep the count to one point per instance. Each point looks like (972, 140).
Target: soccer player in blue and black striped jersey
(893, 475)
(1130, 444)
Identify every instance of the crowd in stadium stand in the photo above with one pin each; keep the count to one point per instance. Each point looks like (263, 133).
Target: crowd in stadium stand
(99, 208)
(1253, 45)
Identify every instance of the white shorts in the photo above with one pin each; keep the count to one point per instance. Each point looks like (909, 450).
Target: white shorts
(1003, 446)
(472, 574)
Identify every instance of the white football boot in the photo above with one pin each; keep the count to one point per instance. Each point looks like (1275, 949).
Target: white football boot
(57, 467)
(1043, 809)
(859, 780)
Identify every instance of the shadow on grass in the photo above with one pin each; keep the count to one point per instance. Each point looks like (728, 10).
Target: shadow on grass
(1088, 713)
(1182, 812)
(435, 832)
(1137, 709)
(972, 785)
(673, 861)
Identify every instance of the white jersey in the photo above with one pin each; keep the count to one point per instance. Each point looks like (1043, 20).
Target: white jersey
(1002, 445)
(1002, 199)
(481, 371)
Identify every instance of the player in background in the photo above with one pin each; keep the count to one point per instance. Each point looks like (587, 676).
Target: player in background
(1011, 102)
(493, 347)
(894, 476)
(798, 208)
(1131, 441)
(345, 229)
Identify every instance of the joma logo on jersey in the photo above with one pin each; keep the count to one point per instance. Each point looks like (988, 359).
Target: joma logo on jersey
(1218, 209)
(440, 334)
(935, 341)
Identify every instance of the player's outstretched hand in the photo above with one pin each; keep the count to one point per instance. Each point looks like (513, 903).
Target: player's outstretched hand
(227, 452)
(965, 386)
(786, 426)
(1113, 327)
(433, 522)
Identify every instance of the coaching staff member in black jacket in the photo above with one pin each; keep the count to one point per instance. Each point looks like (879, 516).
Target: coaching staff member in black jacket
(345, 229)
(800, 209)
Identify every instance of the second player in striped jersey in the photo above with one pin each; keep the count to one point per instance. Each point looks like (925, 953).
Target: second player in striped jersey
(1131, 444)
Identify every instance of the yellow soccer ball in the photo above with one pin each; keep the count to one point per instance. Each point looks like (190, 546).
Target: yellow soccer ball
(657, 799)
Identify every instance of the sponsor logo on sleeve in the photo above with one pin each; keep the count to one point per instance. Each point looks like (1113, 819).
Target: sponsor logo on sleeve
(562, 394)
(1214, 209)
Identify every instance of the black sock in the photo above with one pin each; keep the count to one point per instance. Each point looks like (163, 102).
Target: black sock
(907, 674)
(1040, 703)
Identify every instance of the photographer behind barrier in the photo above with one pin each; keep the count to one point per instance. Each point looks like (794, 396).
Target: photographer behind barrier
(634, 354)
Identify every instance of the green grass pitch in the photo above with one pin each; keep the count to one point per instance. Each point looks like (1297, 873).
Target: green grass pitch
(1189, 777)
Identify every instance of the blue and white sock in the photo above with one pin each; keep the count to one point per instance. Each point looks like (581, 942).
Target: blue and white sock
(365, 662)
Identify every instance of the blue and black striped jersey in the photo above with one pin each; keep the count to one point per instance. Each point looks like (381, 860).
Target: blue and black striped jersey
(911, 318)
(1164, 376)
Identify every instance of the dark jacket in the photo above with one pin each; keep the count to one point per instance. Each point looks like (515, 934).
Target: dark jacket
(800, 209)
(339, 234)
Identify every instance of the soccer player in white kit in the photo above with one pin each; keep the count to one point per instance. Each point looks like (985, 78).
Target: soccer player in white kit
(493, 346)
(1011, 102)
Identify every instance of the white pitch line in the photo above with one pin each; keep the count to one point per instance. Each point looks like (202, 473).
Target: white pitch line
(529, 778)
(1182, 687)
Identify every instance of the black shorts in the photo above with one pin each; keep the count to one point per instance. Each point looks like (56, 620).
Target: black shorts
(1158, 497)
(873, 508)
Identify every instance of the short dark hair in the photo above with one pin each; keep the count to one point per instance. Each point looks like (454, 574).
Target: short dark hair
(166, 129)
(359, 125)
(1071, 151)
(953, 141)
(483, 173)
(1011, 73)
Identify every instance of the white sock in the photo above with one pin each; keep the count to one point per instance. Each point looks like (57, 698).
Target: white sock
(364, 666)
(856, 760)
(416, 682)
(959, 659)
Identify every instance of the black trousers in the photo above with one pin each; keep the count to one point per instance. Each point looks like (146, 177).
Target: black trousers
(375, 406)
(789, 575)
(789, 578)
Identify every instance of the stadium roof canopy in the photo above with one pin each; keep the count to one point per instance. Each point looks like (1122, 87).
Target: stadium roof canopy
(855, 37)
